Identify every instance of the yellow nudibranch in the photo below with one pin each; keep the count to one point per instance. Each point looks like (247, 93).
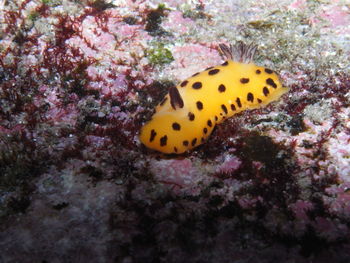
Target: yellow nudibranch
(188, 114)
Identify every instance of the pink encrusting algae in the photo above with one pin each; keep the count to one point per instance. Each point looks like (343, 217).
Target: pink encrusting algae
(79, 79)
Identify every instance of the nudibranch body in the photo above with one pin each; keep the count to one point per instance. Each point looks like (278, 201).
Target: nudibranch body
(188, 114)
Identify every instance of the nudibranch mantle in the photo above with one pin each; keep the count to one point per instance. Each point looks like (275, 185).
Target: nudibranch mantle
(189, 112)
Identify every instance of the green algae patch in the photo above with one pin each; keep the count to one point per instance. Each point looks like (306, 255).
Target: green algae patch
(159, 55)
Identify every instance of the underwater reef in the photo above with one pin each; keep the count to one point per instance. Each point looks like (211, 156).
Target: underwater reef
(78, 80)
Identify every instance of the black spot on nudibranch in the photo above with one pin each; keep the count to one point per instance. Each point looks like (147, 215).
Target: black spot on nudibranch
(191, 116)
(216, 118)
(258, 71)
(259, 100)
(209, 123)
(184, 83)
(194, 141)
(221, 88)
(223, 107)
(199, 105)
(195, 74)
(233, 107)
(213, 71)
(238, 101)
(197, 85)
(205, 130)
(266, 91)
(244, 80)
(250, 97)
(175, 98)
(185, 143)
(225, 63)
(176, 126)
(268, 71)
(175, 149)
(153, 135)
(163, 140)
(270, 82)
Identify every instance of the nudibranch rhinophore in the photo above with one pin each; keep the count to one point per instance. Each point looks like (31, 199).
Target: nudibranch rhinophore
(189, 112)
